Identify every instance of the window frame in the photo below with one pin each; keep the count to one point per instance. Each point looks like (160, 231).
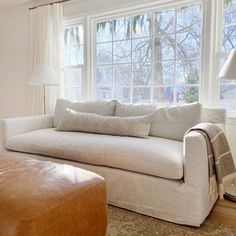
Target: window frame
(129, 12)
(70, 23)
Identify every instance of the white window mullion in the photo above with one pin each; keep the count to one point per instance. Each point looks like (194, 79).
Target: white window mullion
(152, 58)
(175, 57)
(132, 76)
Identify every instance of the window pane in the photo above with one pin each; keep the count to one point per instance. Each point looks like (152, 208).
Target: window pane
(142, 95)
(104, 53)
(73, 36)
(164, 48)
(187, 72)
(189, 18)
(104, 93)
(104, 31)
(142, 74)
(229, 38)
(228, 97)
(74, 55)
(122, 74)
(229, 13)
(163, 95)
(122, 28)
(229, 26)
(73, 45)
(142, 50)
(72, 77)
(188, 45)
(142, 26)
(122, 51)
(104, 75)
(165, 22)
(122, 94)
(187, 94)
(73, 94)
(164, 73)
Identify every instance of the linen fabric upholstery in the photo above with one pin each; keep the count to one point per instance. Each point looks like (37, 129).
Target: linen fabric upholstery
(174, 122)
(138, 126)
(105, 108)
(213, 115)
(168, 122)
(124, 110)
(152, 156)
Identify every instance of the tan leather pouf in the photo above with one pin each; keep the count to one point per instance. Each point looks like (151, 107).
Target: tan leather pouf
(44, 198)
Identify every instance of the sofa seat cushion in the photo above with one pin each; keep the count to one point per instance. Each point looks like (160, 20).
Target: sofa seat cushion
(153, 156)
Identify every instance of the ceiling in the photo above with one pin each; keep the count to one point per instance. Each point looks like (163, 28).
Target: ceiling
(5, 4)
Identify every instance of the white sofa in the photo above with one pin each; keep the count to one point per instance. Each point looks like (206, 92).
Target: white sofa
(159, 177)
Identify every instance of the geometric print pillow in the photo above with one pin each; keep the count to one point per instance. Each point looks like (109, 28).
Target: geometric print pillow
(134, 126)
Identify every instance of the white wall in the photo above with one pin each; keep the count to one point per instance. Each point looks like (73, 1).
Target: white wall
(14, 63)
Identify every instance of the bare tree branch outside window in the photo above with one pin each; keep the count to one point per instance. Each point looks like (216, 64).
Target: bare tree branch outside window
(154, 56)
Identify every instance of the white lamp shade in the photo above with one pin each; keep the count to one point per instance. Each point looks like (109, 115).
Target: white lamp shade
(44, 75)
(228, 71)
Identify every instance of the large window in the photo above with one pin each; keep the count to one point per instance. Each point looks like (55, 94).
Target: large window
(228, 42)
(163, 52)
(73, 61)
(150, 58)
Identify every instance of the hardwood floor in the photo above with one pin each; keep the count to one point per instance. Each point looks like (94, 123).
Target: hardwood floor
(224, 212)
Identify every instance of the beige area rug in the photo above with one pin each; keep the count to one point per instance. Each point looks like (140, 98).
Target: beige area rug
(127, 223)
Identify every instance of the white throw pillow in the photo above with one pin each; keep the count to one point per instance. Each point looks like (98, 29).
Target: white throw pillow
(106, 108)
(138, 126)
(174, 122)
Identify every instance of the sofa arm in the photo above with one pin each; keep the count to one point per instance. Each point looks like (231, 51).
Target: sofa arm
(196, 173)
(14, 126)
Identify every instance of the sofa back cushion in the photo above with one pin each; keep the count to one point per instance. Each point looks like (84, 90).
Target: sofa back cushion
(124, 110)
(174, 122)
(168, 122)
(106, 108)
(138, 126)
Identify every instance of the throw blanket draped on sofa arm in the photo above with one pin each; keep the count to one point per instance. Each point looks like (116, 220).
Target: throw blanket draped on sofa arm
(220, 160)
(13, 126)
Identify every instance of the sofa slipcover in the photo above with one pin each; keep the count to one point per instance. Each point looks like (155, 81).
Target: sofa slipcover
(152, 156)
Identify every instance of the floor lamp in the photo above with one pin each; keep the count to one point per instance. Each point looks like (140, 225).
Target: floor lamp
(44, 75)
(228, 72)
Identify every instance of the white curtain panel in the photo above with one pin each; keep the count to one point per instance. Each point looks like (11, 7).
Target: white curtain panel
(46, 23)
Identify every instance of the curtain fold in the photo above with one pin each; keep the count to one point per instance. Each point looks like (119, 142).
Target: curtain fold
(46, 23)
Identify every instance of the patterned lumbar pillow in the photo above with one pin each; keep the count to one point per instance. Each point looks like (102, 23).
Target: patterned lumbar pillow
(136, 126)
